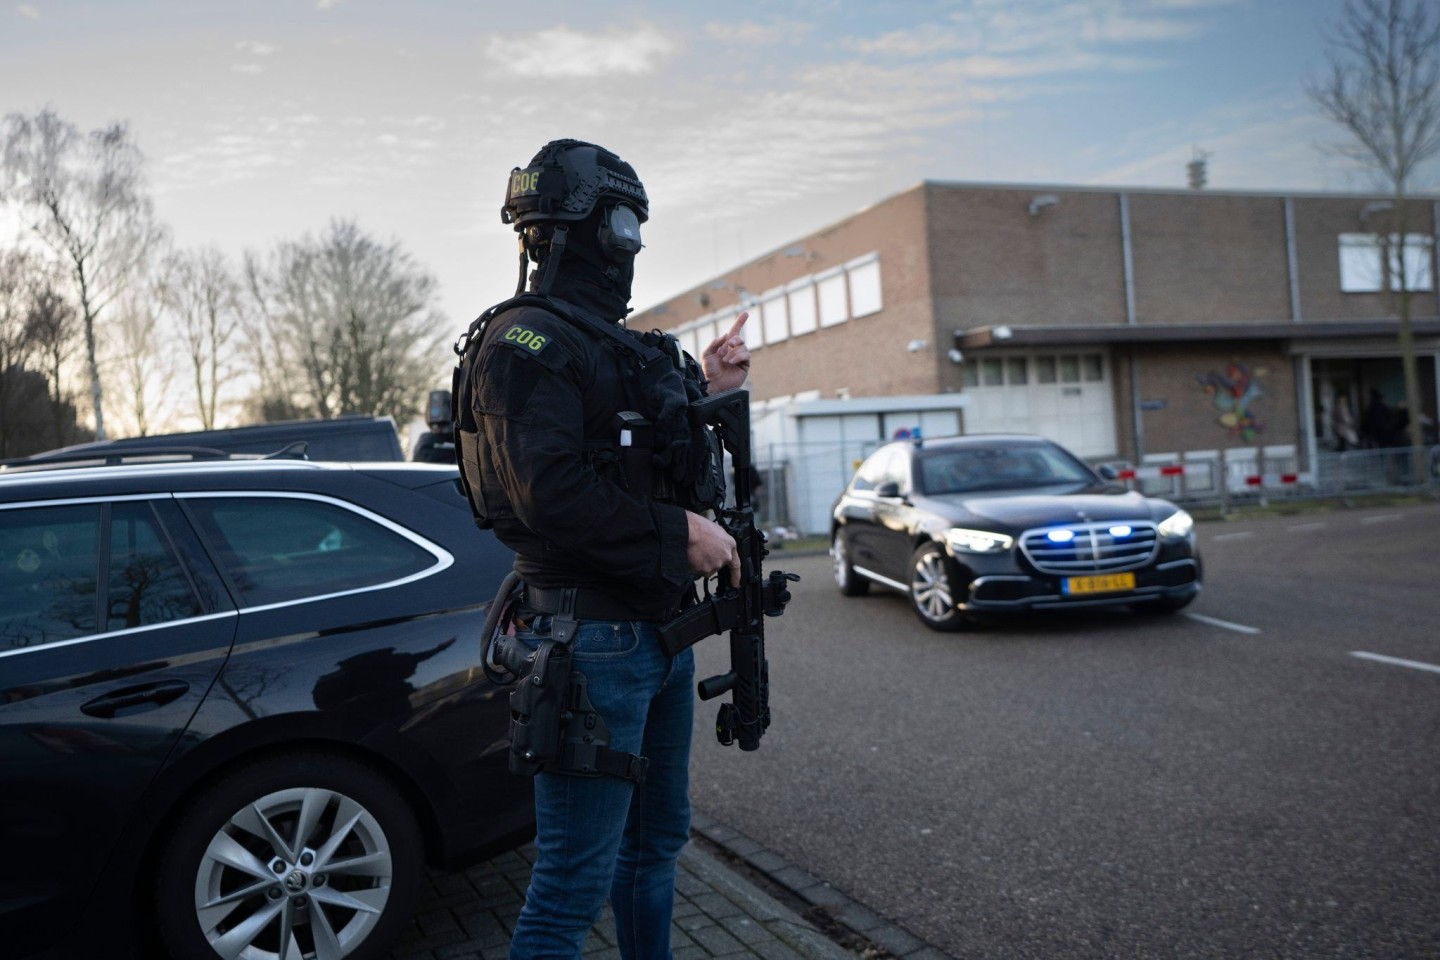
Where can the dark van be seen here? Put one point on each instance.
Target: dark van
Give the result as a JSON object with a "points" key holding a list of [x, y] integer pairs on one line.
{"points": [[355, 438]]}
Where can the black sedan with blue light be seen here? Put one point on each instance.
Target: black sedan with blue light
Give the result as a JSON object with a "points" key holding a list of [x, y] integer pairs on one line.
{"points": [[992, 524]]}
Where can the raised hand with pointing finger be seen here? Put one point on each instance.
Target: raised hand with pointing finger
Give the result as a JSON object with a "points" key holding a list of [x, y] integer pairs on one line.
{"points": [[727, 360]]}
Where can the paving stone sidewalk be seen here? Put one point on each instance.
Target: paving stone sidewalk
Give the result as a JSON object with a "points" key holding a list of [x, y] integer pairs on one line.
{"points": [[718, 913]]}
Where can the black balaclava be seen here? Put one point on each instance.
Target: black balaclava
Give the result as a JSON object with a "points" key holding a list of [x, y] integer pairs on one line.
{"points": [[584, 276]]}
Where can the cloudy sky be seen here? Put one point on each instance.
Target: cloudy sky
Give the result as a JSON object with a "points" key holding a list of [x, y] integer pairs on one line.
{"points": [[750, 122]]}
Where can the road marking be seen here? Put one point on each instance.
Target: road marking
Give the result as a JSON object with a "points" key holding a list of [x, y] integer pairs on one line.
{"points": [[1301, 527], [1396, 661], [1233, 536], [1225, 624], [1382, 518]]}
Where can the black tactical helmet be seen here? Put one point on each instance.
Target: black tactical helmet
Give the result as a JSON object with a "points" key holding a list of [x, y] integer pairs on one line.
{"points": [[566, 180]]}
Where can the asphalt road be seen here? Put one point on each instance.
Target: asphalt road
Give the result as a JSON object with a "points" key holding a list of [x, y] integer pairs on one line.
{"points": [[1105, 785]]}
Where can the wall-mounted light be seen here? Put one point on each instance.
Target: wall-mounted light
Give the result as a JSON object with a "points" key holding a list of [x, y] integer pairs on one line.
{"points": [[1002, 333], [1040, 201], [955, 356], [1375, 206], [915, 346]]}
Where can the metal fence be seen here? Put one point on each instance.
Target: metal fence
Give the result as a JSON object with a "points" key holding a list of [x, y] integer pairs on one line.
{"points": [[800, 481], [1240, 477]]}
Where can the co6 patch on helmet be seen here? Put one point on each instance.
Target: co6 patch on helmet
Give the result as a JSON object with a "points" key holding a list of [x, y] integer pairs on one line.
{"points": [[566, 180]]}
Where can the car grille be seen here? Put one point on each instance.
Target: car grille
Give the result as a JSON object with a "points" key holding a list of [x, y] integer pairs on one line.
{"points": [[1090, 547]]}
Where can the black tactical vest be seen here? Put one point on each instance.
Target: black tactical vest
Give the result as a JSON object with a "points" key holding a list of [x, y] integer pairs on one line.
{"points": [[684, 460]]}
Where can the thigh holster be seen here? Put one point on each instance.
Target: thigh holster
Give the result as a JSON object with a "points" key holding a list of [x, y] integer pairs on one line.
{"points": [[553, 724]]}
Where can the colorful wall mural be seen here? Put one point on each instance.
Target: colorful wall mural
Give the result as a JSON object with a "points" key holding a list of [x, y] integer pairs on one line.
{"points": [[1233, 393]]}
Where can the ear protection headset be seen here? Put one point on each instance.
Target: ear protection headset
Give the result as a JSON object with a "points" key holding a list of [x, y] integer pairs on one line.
{"points": [[620, 233]]}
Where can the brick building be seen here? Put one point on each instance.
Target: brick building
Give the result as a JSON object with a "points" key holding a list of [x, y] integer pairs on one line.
{"points": [[1132, 324]]}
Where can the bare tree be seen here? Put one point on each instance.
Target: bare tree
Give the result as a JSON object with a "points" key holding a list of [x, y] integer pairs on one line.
{"points": [[54, 328], [1383, 89], [144, 370], [16, 344], [202, 293], [83, 196], [348, 323], [37, 338]]}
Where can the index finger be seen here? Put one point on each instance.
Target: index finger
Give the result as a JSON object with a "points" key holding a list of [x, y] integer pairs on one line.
{"points": [[739, 322]]}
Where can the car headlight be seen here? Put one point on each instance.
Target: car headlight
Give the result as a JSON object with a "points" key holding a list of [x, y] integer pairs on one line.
{"points": [[978, 541], [1178, 525]]}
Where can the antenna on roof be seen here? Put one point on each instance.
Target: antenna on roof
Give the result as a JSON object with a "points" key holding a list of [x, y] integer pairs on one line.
{"points": [[1196, 168]]}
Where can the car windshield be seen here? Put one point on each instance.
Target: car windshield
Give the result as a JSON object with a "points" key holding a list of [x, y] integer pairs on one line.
{"points": [[975, 469]]}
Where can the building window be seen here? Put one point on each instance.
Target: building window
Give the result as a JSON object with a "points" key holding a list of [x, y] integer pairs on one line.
{"points": [[1363, 262], [864, 286], [1416, 251], [1043, 368], [834, 304], [773, 313], [704, 333], [802, 308]]}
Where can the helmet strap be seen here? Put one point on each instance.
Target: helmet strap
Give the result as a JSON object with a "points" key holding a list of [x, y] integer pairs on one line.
{"points": [[552, 260], [524, 265]]}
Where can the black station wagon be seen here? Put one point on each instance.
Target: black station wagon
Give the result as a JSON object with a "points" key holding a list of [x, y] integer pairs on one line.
{"points": [[242, 706], [1001, 523]]}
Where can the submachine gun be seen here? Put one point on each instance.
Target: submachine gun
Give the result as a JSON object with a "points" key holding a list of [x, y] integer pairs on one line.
{"points": [[553, 723], [741, 610]]}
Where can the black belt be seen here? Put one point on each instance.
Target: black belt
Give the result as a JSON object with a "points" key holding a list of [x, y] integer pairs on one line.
{"points": [[585, 603]]}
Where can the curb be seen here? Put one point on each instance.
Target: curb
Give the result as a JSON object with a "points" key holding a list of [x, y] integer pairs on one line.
{"points": [[852, 925]]}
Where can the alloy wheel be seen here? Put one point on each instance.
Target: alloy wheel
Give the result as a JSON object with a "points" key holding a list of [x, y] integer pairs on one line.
{"points": [[930, 587], [299, 874]]}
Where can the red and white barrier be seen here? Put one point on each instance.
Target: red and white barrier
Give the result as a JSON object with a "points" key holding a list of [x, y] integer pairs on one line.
{"points": [[1151, 473], [1276, 479]]}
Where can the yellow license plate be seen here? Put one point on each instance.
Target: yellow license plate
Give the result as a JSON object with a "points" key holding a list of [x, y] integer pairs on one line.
{"points": [[1104, 583]]}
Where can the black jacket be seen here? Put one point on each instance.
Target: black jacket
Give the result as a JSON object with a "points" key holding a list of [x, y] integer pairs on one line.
{"points": [[545, 395]]}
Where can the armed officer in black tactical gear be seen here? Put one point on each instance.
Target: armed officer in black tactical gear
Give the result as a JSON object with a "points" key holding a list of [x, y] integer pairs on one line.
{"points": [[574, 445]]}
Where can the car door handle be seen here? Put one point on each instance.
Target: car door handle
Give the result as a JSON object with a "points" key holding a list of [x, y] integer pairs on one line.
{"points": [[146, 696]]}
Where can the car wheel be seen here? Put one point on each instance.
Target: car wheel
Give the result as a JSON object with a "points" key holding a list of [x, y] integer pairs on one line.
{"points": [[932, 591], [308, 855], [1162, 606], [851, 584]]}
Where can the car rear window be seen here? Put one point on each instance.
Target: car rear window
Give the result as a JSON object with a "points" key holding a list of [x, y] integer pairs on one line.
{"points": [[278, 549]]}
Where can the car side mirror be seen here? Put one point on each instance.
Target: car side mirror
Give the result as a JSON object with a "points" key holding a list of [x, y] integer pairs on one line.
{"points": [[890, 490], [1107, 471]]}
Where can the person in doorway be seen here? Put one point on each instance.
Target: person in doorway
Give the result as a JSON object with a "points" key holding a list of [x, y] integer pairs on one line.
{"points": [[1375, 422], [1342, 424]]}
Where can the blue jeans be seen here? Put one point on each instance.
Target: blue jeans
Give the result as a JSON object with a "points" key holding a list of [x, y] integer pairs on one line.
{"points": [[599, 836]]}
